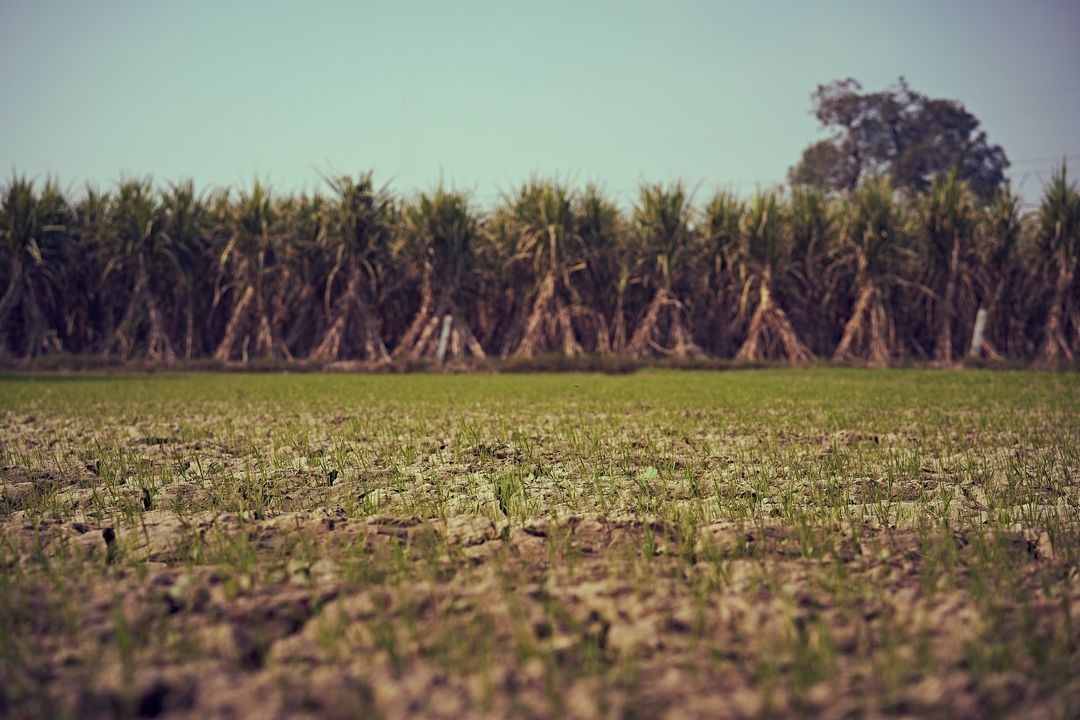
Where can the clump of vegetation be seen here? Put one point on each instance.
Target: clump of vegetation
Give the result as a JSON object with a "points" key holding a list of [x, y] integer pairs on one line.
{"points": [[765, 253], [662, 232], [358, 235], [870, 246], [441, 231], [1058, 240]]}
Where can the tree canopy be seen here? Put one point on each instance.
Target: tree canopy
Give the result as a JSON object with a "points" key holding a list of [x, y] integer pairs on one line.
{"points": [[899, 133]]}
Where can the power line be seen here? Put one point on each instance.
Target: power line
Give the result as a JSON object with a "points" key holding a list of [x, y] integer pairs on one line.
{"points": [[1049, 158]]}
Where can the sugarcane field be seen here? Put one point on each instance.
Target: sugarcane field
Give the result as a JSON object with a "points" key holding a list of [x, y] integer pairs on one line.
{"points": [[565, 360]]}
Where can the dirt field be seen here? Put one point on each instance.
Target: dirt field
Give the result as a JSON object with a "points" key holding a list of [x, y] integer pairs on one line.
{"points": [[835, 543]]}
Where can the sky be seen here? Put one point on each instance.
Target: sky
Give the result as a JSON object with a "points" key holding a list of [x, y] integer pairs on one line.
{"points": [[483, 94]]}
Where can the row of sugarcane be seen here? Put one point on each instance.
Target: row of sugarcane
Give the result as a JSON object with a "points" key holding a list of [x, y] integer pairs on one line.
{"points": [[357, 273]]}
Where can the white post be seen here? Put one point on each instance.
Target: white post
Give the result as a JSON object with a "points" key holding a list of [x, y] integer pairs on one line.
{"points": [[977, 333], [447, 322]]}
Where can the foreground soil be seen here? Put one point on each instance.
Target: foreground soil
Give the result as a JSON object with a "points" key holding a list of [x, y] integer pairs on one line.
{"points": [[836, 543]]}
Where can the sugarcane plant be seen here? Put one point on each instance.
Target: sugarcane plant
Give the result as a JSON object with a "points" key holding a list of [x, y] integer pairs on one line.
{"points": [[183, 232], [546, 242], [867, 250], [951, 279], [358, 237], [663, 236], [764, 261], [440, 230], [34, 232], [246, 270], [87, 312], [1058, 247], [610, 268], [146, 260], [810, 224], [718, 285], [999, 231], [297, 291]]}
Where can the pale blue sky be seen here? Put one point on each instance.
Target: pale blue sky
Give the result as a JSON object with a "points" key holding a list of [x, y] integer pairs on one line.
{"points": [[486, 93]]}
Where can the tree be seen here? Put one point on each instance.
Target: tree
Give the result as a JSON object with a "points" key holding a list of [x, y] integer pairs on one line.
{"points": [[898, 133]]}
